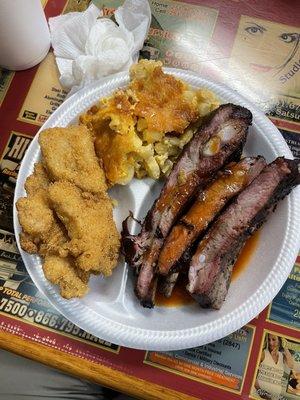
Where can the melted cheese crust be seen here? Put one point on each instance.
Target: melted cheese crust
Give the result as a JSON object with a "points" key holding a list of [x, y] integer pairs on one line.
{"points": [[163, 101], [140, 130]]}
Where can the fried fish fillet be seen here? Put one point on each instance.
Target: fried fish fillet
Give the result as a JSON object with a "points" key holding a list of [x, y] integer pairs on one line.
{"points": [[55, 241], [35, 215], [69, 222], [38, 181], [89, 221], [69, 154], [43, 233], [60, 271], [51, 242]]}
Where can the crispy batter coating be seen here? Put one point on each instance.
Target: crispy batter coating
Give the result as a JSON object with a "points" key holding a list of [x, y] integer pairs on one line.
{"points": [[55, 241], [38, 181], [35, 215], [61, 272], [89, 221], [69, 222], [69, 154], [44, 233], [29, 243]]}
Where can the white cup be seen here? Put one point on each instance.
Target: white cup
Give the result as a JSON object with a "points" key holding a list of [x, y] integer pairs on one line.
{"points": [[24, 34]]}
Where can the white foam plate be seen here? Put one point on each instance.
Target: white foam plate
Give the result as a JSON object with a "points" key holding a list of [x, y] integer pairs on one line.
{"points": [[110, 310]]}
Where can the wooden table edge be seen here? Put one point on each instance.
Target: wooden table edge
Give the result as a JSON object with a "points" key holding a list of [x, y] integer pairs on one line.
{"points": [[88, 370]]}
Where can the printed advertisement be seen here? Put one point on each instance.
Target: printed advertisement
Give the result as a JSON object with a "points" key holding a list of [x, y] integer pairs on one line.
{"points": [[45, 93], [6, 204], [278, 371], [5, 80], [292, 140], [265, 61], [13, 154], [285, 308], [8, 248], [76, 5], [20, 299], [180, 34], [221, 363]]}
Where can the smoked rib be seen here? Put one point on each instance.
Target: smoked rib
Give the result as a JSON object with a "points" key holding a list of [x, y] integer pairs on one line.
{"points": [[218, 141], [231, 181], [211, 265]]}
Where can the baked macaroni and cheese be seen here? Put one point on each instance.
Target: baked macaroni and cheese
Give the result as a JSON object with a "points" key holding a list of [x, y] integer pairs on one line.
{"points": [[140, 130]]}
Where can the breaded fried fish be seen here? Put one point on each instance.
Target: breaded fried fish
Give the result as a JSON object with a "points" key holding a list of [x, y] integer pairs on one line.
{"points": [[61, 272], [43, 233], [35, 215], [89, 222], [69, 154], [66, 217], [54, 241], [38, 181]]}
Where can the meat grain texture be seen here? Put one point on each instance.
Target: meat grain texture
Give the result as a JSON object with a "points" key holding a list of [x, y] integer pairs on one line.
{"points": [[201, 219], [219, 140], [211, 265]]}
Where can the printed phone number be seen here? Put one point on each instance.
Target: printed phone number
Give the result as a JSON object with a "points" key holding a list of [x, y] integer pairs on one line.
{"points": [[47, 319]]}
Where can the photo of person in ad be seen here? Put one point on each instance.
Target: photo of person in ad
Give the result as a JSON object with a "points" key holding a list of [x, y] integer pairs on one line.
{"points": [[266, 59], [278, 361], [294, 383]]}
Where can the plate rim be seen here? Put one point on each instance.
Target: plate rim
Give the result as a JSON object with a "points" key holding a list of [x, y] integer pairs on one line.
{"points": [[146, 339]]}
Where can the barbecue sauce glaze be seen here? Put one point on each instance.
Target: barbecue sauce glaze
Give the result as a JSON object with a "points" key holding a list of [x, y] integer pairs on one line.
{"points": [[180, 297]]}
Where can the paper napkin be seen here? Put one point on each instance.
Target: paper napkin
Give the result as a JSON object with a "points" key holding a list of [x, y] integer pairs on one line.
{"points": [[89, 47]]}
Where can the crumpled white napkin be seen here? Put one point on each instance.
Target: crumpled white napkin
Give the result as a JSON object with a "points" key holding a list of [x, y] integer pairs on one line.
{"points": [[88, 48]]}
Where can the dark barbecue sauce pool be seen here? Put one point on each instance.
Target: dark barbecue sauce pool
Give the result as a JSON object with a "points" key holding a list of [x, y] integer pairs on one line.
{"points": [[180, 297]]}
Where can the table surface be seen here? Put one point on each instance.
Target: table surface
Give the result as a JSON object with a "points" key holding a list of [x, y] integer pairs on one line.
{"points": [[230, 31]]}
